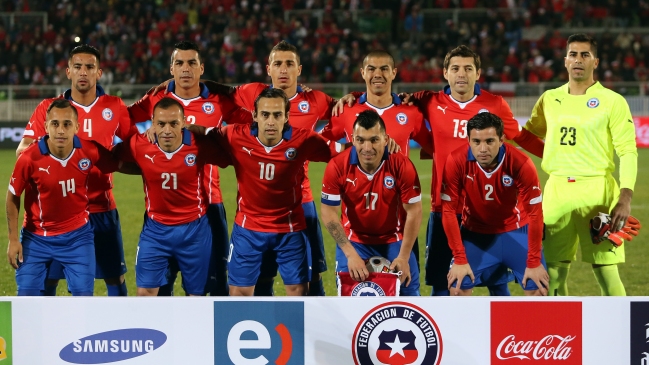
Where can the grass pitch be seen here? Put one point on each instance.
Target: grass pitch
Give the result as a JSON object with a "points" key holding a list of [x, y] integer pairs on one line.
{"points": [[130, 202]]}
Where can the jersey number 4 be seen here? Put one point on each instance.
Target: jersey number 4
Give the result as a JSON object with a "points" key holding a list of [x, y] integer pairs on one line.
{"points": [[570, 134], [87, 126]]}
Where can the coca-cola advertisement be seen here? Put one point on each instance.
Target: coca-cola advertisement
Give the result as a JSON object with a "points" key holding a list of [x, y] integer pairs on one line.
{"points": [[536, 333]]}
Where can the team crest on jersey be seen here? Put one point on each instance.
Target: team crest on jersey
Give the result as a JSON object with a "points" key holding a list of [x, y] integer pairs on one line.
{"points": [[208, 108], [507, 180], [483, 111], [367, 289], [397, 333], [290, 154], [593, 103], [84, 164], [402, 118], [107, 114], [304, 106], [190, 159], [388, 181]]}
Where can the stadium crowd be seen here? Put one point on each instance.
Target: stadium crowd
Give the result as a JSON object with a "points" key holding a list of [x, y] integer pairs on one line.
{"points": [[136, 37]]}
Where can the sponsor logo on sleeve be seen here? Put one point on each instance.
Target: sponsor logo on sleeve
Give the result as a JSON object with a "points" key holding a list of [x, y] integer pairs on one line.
{"points": [[639, 333], [6, 356], [113, 346], [552, 335], [397, 333], [259, 333]]}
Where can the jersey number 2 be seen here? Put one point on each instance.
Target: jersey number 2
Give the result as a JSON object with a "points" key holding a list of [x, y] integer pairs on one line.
{"points": [[490, 190]]}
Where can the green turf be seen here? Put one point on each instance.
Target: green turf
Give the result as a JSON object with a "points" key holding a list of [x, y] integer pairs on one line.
{"points": [[129, 195]]}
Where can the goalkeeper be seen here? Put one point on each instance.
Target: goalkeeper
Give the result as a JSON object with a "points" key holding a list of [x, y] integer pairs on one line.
{"points": [[583, 123]]}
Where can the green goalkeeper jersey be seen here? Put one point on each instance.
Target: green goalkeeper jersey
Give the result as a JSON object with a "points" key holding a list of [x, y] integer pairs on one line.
{"points": [[582, 132]]}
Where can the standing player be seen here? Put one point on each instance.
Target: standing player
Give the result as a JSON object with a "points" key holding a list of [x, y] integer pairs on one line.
{"points": [[448, 112], [175, 226], [54, 173], [502, 220], [268, 159], [104, 117], [373, 187], [208, 110], [307, 108], [583, 123], [403, 122]]}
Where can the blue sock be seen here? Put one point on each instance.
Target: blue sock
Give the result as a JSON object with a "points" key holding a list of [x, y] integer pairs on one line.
{"points": [[264, 287], [442, 292], [117, 290], [50, 290], [499, 290], [316, 289]]}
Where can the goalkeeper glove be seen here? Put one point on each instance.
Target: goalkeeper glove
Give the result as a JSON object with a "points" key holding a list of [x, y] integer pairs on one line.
{"points": [[600, 229]]}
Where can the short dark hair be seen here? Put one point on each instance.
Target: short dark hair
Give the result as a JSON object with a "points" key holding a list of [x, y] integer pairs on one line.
{"points": [[284, 46], [583, 38], [273, 93], [85, 49], [486, 120], [62, 104], [166, 103], [379, 53], [462, 51], [186, 46], [368, 119]]}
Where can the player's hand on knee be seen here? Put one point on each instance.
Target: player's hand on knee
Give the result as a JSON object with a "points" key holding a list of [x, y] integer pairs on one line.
{"points": [[539, 276], [356, 267], [162, 87], [15, 254], [348, 99], [457, 274], [402, 265], [393, 147]]}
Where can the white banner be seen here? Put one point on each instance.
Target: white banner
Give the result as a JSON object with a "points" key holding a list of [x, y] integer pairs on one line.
{"points": [[286, 331]]}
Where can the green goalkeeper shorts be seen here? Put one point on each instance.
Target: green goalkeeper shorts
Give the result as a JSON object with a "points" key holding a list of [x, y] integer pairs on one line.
{"points": [[568, 206]]}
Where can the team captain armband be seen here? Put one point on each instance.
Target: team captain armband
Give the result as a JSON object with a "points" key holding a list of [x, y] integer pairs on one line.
{"points": [[330, 199]]}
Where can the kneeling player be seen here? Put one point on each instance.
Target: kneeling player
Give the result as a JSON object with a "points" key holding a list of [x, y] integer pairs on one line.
{"points": [[176, 225], [372, 185], [54, 175], [502, 221]]}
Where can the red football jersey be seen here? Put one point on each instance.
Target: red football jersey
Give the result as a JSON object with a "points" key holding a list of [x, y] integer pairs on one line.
{"points": [[100, 121], [371, 204], [56, 191], [173, 181], [402, 123], [307, 108], [448, 119], [269, 197], [502, 200], [207, 110]]}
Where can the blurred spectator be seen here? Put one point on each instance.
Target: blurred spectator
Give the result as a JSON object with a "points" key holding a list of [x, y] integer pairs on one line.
{"points": [[136, 38]]}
